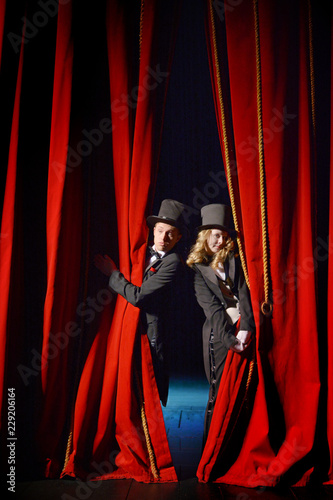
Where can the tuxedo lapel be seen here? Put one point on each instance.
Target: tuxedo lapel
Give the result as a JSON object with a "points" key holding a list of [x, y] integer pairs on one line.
{"points": [[229, 267], [154, 264], [211, 279]]}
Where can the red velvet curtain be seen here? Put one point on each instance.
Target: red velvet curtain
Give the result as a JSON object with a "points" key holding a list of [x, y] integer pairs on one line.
{"points": [[8, 222], [330, 293], [281, 425], [63, 273], [112, 371]]}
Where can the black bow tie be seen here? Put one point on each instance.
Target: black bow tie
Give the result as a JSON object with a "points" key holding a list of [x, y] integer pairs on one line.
{"points": [[153, 252]]}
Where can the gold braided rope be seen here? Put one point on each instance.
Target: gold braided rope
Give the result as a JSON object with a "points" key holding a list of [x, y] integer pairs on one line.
{"points": [[151, 454], [142, 7], [312, 89], [152, 458], [226, 148], [68, 450], [266, 306], [311, 61], [232, 200]]}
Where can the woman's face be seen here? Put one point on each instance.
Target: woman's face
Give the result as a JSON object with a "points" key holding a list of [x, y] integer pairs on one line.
{"points": [[216, 240]]}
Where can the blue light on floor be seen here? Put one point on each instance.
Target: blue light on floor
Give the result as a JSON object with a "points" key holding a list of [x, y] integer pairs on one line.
{"points": [[184, 421]]}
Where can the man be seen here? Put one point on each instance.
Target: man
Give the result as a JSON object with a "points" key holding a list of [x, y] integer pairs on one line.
{"points": [[158, 280]]}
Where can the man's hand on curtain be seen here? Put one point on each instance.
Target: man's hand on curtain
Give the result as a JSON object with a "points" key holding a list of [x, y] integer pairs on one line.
{"points": [[105, 264]]}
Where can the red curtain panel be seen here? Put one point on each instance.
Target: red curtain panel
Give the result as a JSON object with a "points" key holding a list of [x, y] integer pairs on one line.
{"points": [[9, 235], [129, 438], [279, 208], [330, 300], [63, 242]]}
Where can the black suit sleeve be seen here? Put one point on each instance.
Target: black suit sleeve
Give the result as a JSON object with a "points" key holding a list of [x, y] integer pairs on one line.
{"points": [[245, 307], [214, 310], [141, 296]]}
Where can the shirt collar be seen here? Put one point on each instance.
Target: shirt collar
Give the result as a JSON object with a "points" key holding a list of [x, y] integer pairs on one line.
{"points": [[220, 271], [159, 252]]}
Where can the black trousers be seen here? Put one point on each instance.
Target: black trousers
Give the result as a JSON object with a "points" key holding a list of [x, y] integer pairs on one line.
{"points": [[214, 361]]}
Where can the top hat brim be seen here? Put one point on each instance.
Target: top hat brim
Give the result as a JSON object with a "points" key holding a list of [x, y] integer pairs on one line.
{"points": [[154, 219], [232, 232]]}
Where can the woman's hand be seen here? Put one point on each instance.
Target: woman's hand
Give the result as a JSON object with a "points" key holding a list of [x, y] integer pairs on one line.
{"points": [[243, 338], [105, 264]]}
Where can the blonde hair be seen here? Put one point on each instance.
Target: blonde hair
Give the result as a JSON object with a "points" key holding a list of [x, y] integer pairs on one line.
{"points": [[200, 251]]}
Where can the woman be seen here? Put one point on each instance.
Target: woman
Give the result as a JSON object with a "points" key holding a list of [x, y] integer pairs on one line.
{"points": [[221, 291]]}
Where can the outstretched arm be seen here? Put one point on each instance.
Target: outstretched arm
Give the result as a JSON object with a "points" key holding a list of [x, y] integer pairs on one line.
{"points": [[140, 296], [105, 264]]}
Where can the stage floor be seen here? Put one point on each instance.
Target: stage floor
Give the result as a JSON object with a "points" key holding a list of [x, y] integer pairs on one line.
{"points": [[184, 417], [128, 489]]}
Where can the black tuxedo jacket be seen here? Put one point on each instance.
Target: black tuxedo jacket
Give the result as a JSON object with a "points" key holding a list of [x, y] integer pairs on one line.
{"points": [[210, 298], [152, 297]]}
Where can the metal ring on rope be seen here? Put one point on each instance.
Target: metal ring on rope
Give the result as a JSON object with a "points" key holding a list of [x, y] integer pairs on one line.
{"points": [[266, 308]]}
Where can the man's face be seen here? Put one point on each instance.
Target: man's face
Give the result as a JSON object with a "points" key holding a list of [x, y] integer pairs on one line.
{"points": [[165, 237]]}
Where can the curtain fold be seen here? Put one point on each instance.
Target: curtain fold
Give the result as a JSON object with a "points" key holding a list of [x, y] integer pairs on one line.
{"points": [[330, 290], [280, 432], [9, 225], [63, 246], [120, 447]]}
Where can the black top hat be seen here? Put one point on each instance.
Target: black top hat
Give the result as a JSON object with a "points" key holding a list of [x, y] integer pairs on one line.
{"points": [[217, 216], [170, 213]]}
